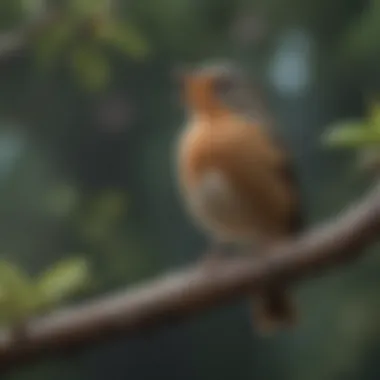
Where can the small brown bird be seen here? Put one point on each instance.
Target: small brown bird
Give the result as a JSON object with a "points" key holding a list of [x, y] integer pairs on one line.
{"points": [[235, 178]]}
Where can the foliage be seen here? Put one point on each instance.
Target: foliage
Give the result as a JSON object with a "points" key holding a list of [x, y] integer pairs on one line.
{"points": [[80, 38], [363, 136], [356, 134], [22, 296]]}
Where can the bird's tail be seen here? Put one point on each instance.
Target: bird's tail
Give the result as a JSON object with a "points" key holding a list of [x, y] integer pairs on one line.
{"points": [[273, 309]]}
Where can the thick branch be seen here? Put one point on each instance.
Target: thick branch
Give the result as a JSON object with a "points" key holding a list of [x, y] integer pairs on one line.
{"points": [[196, 289]]}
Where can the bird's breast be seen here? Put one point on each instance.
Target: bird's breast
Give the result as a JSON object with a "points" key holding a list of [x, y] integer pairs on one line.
{"points": [[217, 207], [212, 195]]}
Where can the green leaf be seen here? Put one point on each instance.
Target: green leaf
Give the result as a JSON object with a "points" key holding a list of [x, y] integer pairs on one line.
{"points": [[64, 279], [126, 38], [351, 134], [18, 296], [374, 116], [91, 66]]}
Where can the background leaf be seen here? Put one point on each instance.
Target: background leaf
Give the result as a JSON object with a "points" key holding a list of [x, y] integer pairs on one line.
{"points": [[352, 134], [91, 66], [63, 280], [18, 296]]}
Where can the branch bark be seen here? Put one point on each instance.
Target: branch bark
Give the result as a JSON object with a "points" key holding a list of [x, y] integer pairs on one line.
{"points": [[196, 289]]}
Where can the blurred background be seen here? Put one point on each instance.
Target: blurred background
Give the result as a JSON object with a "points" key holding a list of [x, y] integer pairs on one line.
{"points": [[89, 117]]}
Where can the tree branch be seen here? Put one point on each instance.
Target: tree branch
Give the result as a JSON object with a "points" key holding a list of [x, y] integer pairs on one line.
{"points": [[195, 289]]}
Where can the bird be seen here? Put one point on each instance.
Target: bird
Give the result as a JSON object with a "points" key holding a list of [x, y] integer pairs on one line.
{"points": [[235, 175]]}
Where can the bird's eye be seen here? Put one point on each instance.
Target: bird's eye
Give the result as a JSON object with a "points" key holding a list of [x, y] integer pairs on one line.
{"points": [[223, 85]]}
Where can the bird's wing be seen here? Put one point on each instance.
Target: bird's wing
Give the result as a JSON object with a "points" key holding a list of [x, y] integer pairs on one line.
{"points": [[262, 173], [253, 106]]}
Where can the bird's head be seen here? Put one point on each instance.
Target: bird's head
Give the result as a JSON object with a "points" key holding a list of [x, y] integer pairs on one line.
{"points": [[215, 88]]}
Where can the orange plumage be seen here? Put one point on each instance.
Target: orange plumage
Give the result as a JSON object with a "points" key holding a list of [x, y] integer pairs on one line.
{"points": [[235, 179]]}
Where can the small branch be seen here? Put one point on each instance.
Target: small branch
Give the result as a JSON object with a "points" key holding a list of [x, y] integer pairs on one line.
{"points": [[196, 289]]}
